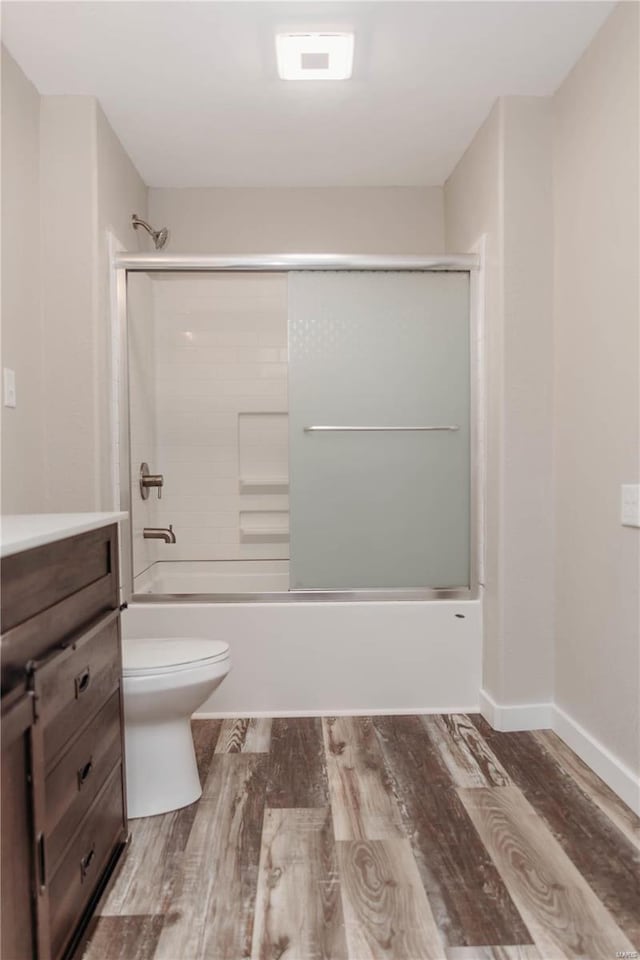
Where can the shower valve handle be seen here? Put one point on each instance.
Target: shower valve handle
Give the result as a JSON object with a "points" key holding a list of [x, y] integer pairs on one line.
{"points": [[148, 480]]}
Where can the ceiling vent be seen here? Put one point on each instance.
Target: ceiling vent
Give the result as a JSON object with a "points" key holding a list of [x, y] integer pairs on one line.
{"points": [[314, 56]]}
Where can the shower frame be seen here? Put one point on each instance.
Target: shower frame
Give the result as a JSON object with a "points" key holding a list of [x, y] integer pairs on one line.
{"points": [[126, 263]]}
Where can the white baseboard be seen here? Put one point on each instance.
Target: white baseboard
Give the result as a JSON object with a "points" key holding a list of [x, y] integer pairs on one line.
{"points": [[615, 774], [373, 712], [548, 716], [515, 716]]}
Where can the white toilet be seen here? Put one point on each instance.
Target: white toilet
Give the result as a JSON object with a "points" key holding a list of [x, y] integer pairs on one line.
{"points": [[165, 681]]}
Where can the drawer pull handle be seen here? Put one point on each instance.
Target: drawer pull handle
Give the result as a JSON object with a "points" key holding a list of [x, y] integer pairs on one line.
{"points": [[82, 681], [84, 773], [86, 862], [42, 862]]}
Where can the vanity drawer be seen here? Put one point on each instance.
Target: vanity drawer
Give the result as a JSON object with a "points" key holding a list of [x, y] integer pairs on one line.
{"points": [[37, 579], [39, 636], [75, 880], [75, 682], [73, 783]]}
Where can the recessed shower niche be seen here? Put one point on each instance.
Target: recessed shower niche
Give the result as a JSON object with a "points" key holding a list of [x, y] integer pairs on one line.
{"points": [[263, 452], [263, 465]]}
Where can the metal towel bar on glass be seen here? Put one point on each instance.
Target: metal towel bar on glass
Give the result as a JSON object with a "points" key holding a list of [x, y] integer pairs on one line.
{"points": [[318, 429]]}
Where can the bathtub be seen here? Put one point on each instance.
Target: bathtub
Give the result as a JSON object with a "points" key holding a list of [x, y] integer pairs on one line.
{"points": [[327, 657]]}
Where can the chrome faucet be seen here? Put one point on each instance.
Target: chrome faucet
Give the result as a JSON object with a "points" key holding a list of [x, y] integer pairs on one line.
{"points": [[160, 533]]}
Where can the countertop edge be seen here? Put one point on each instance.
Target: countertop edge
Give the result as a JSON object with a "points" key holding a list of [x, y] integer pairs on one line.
{"points": [[68, 525]]}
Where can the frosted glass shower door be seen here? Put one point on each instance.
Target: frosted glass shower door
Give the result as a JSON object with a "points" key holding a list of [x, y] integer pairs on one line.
{"points": [[379, 508]]}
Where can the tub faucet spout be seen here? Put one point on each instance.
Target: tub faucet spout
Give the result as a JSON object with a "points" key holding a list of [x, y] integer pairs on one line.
{"points": [[160, 533]]}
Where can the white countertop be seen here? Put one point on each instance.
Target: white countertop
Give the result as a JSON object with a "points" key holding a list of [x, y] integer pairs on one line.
{"points": [[22, 531]]}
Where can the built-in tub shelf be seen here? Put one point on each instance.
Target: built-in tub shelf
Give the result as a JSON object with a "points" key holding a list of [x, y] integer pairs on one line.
{"points": [[264, 526], [264, 536], [266, 485]]}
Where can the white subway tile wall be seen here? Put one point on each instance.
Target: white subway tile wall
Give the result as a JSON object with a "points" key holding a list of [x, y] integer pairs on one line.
{"points": [[221, 415]]}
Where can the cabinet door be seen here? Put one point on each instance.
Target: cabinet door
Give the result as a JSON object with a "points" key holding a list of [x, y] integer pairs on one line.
{"points": [[18, 940]]}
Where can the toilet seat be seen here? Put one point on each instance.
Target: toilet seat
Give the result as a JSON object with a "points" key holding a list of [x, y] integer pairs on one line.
{"points": [[146, 656]]}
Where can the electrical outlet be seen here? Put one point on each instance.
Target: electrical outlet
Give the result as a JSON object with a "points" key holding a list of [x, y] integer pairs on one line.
{"points": [[9, 387], [630, 505]]}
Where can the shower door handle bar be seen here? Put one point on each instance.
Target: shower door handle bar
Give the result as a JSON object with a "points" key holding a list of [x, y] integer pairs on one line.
{"points": [[349, 429]]}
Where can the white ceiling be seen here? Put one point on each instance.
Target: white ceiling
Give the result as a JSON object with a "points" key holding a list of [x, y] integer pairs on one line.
{"points": [[192, 91]]}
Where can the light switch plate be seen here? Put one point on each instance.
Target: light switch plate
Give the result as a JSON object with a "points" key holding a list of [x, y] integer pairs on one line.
{"points": [[9, 387], [630, 505]]}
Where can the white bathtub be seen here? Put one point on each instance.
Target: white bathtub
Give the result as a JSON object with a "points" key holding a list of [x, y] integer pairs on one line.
{"points": [[325, 657], [214, 576]]}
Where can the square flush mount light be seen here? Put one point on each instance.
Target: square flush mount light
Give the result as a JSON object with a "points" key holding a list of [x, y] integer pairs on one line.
{"points": [[314, 56]]}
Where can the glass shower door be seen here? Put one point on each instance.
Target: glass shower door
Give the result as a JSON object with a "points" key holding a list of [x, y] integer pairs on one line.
{"points": [[379, 401]]}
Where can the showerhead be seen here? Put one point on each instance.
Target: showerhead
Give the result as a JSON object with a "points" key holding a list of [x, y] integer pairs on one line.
{"points": [[159, 237]]}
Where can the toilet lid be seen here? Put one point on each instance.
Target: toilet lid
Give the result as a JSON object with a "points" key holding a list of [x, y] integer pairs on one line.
{"points": [[162, 654]]}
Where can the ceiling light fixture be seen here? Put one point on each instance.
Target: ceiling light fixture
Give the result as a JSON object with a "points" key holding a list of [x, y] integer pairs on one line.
{"points": [[314, 56]]}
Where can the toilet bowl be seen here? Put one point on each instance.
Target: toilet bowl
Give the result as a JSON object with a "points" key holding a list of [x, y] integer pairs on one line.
{"points": [[164, 683]]}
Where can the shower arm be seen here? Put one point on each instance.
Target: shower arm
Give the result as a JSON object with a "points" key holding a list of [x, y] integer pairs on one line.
{"points": [[137, 221], [159, 237]]}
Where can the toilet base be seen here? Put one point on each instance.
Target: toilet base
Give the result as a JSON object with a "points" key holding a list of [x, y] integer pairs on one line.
{"points": [[162, 773]]}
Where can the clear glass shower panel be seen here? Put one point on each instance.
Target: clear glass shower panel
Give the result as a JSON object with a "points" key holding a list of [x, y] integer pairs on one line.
{"points": [[379, 508]]}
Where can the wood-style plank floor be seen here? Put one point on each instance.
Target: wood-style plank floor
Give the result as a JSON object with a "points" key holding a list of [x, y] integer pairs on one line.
{"points": [[379, 838]]}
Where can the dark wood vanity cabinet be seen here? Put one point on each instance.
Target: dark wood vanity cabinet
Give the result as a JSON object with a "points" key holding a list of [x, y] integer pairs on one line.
{"points": [[63, 799], [17, 850]]}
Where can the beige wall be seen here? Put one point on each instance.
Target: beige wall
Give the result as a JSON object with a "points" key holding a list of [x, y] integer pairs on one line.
{"points": [[527, 412], [501, 189], [66, 182], [89, 187], [23, 428], [332, 220], [596, 386], [68, 231]]}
